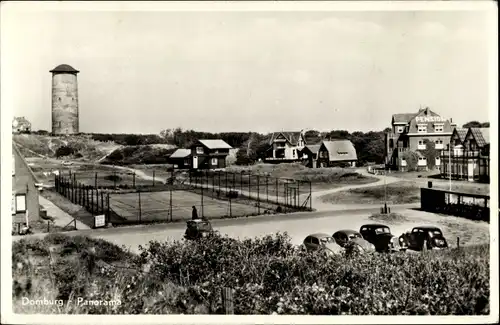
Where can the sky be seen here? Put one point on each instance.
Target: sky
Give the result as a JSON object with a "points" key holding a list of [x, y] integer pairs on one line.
{"points": [[262, 71]]}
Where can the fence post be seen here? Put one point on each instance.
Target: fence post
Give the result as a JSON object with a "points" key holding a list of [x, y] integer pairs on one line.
{"points": [[277, 191], [140, 207], [102, 202], [230, 208], [95, 180], [310, 196], [258, 194], [458, 242], [92, 200], [97, 201], [267, 188], [108, 208], [227, 300], [202, 215], [298, 194]]}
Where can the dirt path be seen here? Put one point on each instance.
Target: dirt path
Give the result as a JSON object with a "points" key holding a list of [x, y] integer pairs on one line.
{"points": [[317, 197]]}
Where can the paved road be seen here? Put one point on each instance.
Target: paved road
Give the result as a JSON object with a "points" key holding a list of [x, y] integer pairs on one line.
{"points": [[298, 225]]}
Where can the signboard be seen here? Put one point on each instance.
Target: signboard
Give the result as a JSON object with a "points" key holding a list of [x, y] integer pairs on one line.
{"points": [[20, 203], [426, 119], [100, 221]]}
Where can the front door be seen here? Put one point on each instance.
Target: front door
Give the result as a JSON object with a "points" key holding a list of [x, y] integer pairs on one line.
{"points": [[195, 162]]}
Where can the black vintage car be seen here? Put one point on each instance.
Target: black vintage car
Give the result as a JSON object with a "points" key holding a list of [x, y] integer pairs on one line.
{"points": [[381, 237], [197, 229], [424, 237]]}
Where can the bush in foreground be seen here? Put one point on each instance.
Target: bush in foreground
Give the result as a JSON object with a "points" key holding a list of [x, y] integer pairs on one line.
{"points": [[269, 275]]}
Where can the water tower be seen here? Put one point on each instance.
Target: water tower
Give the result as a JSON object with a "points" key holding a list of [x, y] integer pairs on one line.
{"points": [[64, 100]]}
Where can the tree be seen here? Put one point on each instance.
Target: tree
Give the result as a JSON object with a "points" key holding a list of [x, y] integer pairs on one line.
{"points": [[63, 151], [411, 158], [312, 137], [430, 153], [242, 157], [472, 124]]}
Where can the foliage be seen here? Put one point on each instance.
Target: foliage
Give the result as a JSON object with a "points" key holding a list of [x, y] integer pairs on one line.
{"points": [[476, 124], [430, 153], [411, 158], [312, 137], [268, 274], [242, 157], [63, 151], [129, 139], [138, 155]]}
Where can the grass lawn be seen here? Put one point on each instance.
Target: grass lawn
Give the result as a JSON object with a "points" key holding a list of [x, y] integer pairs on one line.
{"points": [[402, 192], [397, 193]]}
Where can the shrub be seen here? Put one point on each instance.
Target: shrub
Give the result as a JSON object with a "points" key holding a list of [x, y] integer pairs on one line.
{"points": [[268, 274], [63, 151], [113, 178]]}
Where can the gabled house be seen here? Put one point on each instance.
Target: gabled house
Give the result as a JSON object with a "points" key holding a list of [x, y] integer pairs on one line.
{"points": [[25, 204], [20, 125], [180, 158], [209, 154], [336, 153], [286, 146], [468, 156], [310, 152], [409, 132]]}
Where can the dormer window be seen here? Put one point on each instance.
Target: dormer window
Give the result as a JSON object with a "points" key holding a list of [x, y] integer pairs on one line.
{"points": [[199, 150], [422, 128], [438, 127]]}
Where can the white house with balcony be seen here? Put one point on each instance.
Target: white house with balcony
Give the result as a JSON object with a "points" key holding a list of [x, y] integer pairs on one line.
{"points": [[286, 147]]}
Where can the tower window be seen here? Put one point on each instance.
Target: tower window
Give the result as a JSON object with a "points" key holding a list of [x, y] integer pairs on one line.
{"points": [[59, 98]]}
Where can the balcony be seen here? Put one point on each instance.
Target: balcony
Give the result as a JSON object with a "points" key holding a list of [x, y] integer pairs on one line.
{"points": [[465, 154], [439, 146]]}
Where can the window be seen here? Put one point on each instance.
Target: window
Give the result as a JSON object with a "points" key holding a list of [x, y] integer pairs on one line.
{"points": [[438, 127], [214, 161], [199, 150], [315, 240], [421, 145], [400, 129], [422, 128], [439, 144], [293, 152]]}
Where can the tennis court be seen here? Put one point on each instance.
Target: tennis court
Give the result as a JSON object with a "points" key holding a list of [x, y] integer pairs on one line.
{"points": [[155, 206]]}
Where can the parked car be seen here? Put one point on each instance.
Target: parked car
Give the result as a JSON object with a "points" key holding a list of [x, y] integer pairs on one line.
{"points": [[422, 237], [197, 229], [319, 241], [381, 237], [347, 236], [67, 163]]}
